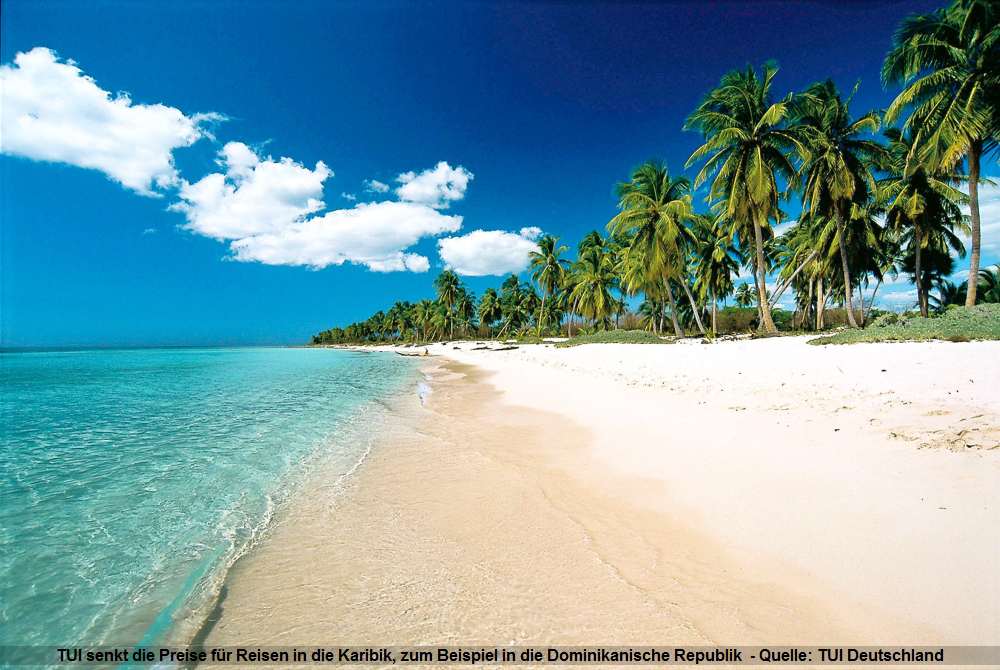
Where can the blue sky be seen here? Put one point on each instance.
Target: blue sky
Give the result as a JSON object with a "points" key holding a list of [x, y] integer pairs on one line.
{"points": [[514, 117]]}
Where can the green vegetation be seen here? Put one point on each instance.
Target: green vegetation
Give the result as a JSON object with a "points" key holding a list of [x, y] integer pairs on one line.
{"points": [[955, 324], [877, 201], [615, 337]]}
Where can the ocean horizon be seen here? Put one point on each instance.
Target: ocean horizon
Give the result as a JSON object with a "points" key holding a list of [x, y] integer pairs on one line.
{"points": [[136, 477]]}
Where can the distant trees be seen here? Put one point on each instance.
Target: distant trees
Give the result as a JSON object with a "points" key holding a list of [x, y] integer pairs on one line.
{"points": [[872, 206]]}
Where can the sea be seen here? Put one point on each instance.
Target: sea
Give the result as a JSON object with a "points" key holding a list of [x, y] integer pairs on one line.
{"points": [[132, 480]]}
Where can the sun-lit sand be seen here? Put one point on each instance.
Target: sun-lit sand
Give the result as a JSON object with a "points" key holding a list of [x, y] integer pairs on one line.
{"points": [[751, 492]]}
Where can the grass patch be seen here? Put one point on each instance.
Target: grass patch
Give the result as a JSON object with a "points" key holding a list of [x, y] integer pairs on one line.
{"points": [[958, 324], [615, 337]]}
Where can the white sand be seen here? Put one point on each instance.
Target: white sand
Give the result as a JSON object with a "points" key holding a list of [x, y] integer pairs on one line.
{"points": [[841, 472]]}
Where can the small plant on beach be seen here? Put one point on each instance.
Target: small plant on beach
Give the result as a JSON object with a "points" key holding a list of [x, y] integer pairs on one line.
{"points": [[957, 324], [615, 337]]}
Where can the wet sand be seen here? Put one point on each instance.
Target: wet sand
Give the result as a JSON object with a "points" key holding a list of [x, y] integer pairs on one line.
{"points": [[475, 521]]}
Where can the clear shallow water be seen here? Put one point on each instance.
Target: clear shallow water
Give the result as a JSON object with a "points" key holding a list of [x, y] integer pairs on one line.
{"points": [[130, 480]]}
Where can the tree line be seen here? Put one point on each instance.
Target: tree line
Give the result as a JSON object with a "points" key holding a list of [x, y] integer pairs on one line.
{"points": [[880, 194]]}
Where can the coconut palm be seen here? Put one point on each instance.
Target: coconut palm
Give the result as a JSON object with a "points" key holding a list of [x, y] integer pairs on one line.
{"points": [[423, 313], [988, 289], [745, 297], [838, 171], [922, 205], [448, 286], [591, 281], [948, 62], [548, 271], [746, 151], [655, 208], [489, 308], [717, 261]]}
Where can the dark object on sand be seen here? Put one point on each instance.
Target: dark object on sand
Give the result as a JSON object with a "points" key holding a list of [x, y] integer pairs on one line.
{"points": [[503, 348]]}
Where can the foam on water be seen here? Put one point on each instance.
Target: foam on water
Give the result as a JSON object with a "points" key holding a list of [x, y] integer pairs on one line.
{"points": [[132, 480]]}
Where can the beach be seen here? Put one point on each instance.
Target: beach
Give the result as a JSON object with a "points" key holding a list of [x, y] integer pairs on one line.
{"points": [[746, 492]]}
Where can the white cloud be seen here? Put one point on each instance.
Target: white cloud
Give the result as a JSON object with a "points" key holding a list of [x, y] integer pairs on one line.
{"points": [[488, 252], [375, 186], [52, 111], [348, 196], [531, 232], [375, 235], [254, 195], [437, 187]]}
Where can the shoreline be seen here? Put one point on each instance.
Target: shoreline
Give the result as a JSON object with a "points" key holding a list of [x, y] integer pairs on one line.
{"points": [[510, 413]]}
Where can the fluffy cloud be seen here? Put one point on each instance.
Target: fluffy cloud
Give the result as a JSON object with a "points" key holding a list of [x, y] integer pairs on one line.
{"points": [[375, 186], [375, 235], [270, 211], [52, 111], [253, 196], [437, 187], [348, 196], [488, 252]]}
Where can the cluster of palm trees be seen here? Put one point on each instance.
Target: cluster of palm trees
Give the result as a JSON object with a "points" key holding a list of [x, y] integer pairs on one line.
{"points": [[880, 194]]}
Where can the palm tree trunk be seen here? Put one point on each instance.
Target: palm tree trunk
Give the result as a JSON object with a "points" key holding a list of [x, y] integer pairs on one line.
{"points": [[541, 311], [715, 314], [861, 299], [694, 307], [678, 331], [872, 303], [842, 243], [809, 299], [788, 282], [975, 151], [766, 322], [918, 274], [820, 303]]}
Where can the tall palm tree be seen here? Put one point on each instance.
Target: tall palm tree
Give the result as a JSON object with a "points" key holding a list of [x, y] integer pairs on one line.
{"points": [[948, 62], [549, 270], [838, 171], [655, 208], [448, 286], [922, 206], [746, 151]]}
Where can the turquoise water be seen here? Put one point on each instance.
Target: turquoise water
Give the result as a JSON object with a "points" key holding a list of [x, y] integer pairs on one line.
{"points": [[132, 479]]}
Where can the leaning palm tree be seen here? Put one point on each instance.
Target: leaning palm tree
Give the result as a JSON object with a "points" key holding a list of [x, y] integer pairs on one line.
{"points": [[549, 271], [746, 151], [448, 287], [922, 205], [655, 208], [838, 172], [949, 64]]}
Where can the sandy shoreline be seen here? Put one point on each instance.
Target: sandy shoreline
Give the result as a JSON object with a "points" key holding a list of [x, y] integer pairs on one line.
{"points": [[760, 492]]}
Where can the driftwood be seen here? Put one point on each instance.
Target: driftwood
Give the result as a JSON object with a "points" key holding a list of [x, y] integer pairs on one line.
{"points": [[503, 348]]}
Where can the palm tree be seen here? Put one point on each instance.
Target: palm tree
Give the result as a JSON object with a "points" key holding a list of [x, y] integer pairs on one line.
{"points": [[948, 294], [654, 210], [922, 206], [423, 313], [949, 64], [549, 270], [448, 286], [489, 308], [746, 151], [837, 172], [988, 289], [717, 260], [744, 296], [592, 279]]}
